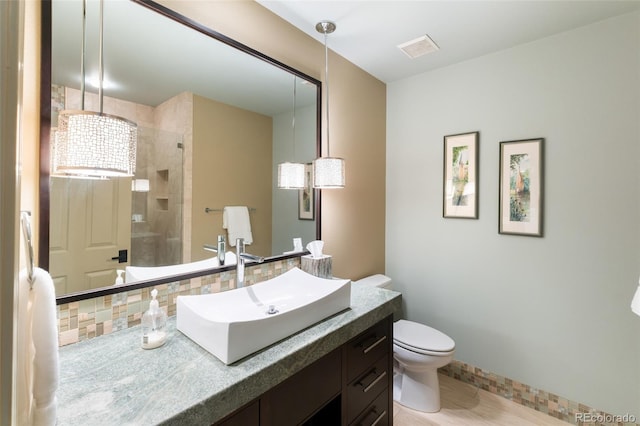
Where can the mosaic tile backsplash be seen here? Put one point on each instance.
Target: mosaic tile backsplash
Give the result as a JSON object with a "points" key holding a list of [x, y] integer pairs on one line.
{"points": [[540, 400], [86, 319]]}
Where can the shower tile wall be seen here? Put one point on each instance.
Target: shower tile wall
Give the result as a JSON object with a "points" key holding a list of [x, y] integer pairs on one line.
{"points": [[175, 116]]}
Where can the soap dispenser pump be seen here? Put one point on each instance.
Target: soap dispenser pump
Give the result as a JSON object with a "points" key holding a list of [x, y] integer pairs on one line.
{"points": [[154, 323]]}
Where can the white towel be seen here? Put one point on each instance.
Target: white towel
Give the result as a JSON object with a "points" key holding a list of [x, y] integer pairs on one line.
{"points": [[235, 219], [37, 351], [24, 351]]}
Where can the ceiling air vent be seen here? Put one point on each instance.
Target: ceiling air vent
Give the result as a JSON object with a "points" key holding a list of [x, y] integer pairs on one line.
{"points": [[418, 47]]}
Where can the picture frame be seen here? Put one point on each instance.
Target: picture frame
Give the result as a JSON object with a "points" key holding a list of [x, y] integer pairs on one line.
{"points": [[306, 196], [460, 176], [521, 190]]}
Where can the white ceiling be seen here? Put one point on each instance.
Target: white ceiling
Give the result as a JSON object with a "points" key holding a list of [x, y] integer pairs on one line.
{"points": [[149, 58], [368, 31]]}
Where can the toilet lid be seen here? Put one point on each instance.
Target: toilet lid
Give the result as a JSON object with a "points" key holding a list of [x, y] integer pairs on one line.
{"points": [[420, 336]]}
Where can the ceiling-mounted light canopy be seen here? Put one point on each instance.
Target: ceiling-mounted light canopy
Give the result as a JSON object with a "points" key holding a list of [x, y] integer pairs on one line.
{"points": [[328, 172], [291, 175], [89, 143]]}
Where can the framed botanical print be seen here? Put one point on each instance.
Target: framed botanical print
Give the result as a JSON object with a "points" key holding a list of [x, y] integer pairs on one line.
{"points": [[306, 196], [521, 187], [460, 181]]}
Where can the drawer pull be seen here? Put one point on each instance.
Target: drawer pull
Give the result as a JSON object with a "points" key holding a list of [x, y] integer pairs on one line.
{"points": [[374, 382], [374, 344], [380, 417]]}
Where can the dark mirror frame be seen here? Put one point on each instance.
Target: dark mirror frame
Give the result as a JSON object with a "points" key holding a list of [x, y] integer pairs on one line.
{"points": [[45, 127]]}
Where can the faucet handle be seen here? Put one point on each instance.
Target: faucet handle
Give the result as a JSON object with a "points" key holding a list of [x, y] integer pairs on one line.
{"points": [[209, 247], [240, 245]]}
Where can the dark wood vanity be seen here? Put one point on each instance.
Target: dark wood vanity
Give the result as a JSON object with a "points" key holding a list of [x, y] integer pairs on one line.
{"points": [[352, 385]]}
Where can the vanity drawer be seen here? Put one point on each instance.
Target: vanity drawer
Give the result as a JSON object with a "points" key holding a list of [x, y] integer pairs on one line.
{"points": [[368, 347], [362, 390], [378, 413]]}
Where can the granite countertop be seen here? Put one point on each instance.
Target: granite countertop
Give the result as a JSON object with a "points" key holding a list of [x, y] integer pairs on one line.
{"points": [[111, 380]]}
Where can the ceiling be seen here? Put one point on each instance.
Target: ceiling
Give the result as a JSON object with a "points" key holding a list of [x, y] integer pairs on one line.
{"points": [[369, 31]]}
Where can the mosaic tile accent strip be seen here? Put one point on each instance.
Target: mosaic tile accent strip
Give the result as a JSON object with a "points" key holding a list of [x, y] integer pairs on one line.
{"points": [[86, 319], [546, 402]]}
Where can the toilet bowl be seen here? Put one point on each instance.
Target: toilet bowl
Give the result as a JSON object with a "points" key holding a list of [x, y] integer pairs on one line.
{"points": [[418, 352]]}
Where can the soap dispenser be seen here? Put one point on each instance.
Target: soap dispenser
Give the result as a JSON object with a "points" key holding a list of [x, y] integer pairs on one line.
{"points": [[154, 323], [119, 277]]}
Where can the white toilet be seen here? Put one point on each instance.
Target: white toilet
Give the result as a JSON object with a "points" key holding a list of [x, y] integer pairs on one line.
{"points": [[418, 352]]}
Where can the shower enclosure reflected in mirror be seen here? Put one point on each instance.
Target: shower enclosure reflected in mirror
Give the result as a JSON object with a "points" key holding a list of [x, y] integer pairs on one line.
{"points": [[214, 120]]}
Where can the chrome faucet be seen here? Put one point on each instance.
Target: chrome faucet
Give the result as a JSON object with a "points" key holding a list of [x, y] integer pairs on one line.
{"points": [[242, 256], [220, 249]]}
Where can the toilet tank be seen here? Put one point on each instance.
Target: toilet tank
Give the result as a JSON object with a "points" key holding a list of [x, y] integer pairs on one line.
{"points": [[377, 280]]}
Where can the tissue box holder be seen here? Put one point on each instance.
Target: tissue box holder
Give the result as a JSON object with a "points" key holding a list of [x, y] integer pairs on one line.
{"points": [[320, 267]]}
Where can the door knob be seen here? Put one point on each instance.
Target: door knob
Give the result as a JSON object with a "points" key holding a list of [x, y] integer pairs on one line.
{"points": [[122, 256]]}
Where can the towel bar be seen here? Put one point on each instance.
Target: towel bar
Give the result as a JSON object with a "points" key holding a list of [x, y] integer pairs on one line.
{"points": [[209, 210]]}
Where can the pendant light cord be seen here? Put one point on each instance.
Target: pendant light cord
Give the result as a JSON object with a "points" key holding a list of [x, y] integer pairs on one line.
{"points": [[326, 78], [101, 54], [293, 121], [82, 52]]}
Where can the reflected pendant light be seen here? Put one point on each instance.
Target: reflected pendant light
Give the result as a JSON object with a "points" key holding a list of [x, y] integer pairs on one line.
{"points": [[89, 143], [291, 175], [140, 185], [328, 172]]}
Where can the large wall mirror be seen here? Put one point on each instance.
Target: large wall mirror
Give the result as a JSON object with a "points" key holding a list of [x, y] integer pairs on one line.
{"points": [[214, 118]]}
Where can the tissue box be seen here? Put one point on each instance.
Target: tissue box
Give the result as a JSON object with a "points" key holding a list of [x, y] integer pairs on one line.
{"points": [[320, 267]]}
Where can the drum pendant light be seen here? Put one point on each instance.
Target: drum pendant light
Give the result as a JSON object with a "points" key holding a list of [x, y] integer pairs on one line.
{"points": [[328, 172], [291, 175], [93, 144]]}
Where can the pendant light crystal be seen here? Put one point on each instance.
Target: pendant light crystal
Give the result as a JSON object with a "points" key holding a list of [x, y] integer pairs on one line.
{"points": [[89, 143], [328, 172]]}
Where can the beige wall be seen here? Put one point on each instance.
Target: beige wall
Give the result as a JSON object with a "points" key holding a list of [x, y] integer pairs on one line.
{"points": [[353, 218], [230, 146], [19, 95]]}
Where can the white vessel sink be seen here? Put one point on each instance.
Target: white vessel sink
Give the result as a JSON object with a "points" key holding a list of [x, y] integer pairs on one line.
{"points": [[140, 273], [235, 323]]}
